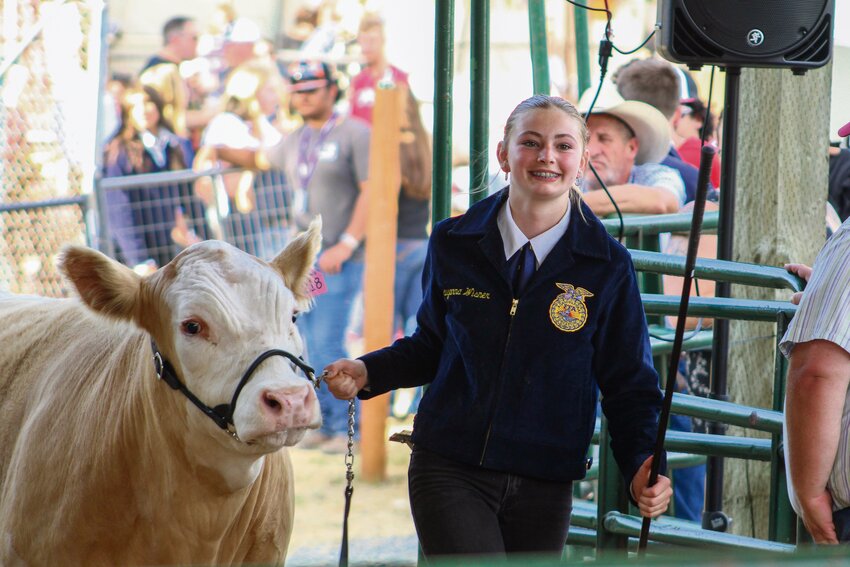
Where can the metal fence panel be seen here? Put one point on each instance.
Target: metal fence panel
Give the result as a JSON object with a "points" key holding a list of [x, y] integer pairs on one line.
{"points": [[49, 76], [150, 218]]}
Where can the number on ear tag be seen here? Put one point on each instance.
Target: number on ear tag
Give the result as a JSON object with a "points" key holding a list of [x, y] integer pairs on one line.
{"points": [[316, 284]]}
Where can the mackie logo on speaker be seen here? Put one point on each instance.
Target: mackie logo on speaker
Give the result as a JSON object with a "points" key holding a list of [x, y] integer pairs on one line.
{"points": [[755, 37]]}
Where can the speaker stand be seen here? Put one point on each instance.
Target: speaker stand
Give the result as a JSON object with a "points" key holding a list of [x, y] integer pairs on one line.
{"points": [[713, 517]]}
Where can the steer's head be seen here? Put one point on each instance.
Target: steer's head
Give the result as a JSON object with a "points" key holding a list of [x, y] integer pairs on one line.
{"points": [[212, 311]]}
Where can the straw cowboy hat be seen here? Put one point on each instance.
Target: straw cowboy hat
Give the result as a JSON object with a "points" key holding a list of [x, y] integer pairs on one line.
{"points": [[649, 125]]}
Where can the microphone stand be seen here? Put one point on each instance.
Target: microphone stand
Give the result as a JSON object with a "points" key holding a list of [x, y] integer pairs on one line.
{"points": [[706, 158]]}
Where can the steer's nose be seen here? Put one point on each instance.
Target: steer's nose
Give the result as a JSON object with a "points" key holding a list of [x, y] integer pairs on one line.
{"points": [[291, 406]]}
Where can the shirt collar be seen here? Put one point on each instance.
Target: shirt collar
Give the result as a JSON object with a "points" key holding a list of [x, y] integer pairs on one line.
{"points": [[513, 238]]}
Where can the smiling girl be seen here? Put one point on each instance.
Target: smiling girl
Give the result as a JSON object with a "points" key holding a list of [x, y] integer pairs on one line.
{"points": [[530, 310]]}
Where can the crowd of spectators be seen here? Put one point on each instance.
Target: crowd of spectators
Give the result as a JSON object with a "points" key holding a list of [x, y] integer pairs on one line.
{"points": [[204, 84]]}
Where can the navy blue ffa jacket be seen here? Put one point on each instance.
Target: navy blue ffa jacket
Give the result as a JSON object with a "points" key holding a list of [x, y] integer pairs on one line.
{"points": [[513, 380]]}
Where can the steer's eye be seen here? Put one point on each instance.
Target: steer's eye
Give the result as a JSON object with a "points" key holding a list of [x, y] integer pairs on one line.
{"points": [[192, 327], [295, 317]]}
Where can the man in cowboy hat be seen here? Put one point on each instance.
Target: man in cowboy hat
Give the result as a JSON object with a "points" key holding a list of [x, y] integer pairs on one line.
{"points": [[672, 91], [628, 139]]}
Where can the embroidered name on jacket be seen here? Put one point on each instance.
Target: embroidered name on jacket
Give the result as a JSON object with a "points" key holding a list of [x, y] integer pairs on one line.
{"points": [[465, 292], [568, 311]]}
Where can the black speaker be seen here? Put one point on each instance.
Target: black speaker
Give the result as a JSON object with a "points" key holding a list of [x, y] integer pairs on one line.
{"points": [[795, 34]]}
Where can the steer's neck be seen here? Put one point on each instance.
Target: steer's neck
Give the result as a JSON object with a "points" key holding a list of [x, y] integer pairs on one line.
{"points": [[228, 471]]}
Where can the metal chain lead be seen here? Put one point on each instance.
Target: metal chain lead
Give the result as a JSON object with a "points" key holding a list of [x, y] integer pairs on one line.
{"points": [[349, 456], [349, 472]]}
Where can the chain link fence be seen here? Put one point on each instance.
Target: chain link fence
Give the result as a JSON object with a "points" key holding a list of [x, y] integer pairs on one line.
{"points": [[151, 217], [49, 76]]}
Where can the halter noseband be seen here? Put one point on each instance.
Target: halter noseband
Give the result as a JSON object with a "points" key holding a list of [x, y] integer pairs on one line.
{"points": [[222, 414]]}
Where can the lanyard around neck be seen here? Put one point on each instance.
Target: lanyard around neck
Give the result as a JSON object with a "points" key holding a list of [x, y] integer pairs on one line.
{"points": [[308, 150]]}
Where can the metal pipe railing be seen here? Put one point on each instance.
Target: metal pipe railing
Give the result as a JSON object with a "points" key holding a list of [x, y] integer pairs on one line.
{"points": [[659, 224], [678, 533], [161, 178], [699, 341], [729, 413], [539, 49], [582, 50], [82, 201], [718, 270], [443, 102], [719, 307], [479, 101]]}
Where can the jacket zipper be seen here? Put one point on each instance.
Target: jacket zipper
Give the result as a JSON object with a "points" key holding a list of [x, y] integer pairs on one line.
{"points": [[514, 303]]}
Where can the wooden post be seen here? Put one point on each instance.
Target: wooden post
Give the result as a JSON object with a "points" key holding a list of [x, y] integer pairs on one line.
{"points": [[384, 183], [780, 209]]}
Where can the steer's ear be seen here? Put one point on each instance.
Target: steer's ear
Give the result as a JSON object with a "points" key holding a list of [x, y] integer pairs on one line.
{"points": [[105, 285], [297, 259]]}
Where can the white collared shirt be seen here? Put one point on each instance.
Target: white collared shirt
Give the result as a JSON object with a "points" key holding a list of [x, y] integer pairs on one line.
{"points": [[541, 245]]}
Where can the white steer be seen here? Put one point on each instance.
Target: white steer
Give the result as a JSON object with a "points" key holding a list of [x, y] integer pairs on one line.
{"points": [[104, 463]]}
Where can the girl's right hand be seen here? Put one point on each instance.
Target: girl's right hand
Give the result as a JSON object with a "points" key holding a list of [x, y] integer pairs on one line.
{"points": [[345, 378]]}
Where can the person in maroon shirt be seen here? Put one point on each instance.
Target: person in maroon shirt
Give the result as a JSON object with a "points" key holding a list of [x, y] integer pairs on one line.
{"points": [[370, 37], [687, 135]]}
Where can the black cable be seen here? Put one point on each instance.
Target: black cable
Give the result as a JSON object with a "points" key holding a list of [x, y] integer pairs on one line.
{"points": [[750, 498], [603, 67], [608, 16], [606, 10], [694, 333], [622, 229], [636, 48], [606, 46], [604, 54]]}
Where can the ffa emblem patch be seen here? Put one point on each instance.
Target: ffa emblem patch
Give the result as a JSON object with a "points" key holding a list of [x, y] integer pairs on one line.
{"points": [[568, 311]]}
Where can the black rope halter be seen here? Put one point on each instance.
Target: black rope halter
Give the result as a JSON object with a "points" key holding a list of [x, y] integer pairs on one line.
{"points": [[222, 414]]}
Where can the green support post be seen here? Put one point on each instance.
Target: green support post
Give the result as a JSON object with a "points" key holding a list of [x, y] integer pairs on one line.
{"points": [[782, 525], [612, 497], [444, 51], [443, 76], [582, 51], [539, 50], [652, 283], [479, 101]]}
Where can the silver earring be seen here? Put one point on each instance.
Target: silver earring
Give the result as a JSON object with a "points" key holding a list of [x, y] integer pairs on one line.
{"points": [[506, 176]]}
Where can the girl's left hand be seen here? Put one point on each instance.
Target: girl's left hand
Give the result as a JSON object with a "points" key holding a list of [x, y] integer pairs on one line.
{"points": [[652, 500]]}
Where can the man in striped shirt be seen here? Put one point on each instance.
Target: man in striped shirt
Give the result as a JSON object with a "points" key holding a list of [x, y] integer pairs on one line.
{"points": [[817, 404]]}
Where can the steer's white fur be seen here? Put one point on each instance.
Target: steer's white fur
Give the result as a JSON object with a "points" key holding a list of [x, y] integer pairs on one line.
{"points": [[101, 463]]}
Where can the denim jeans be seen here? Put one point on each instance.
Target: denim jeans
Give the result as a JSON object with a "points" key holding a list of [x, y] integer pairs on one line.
{"points": [[409, 262], [688, 482], [463, 509], [323, 329]]}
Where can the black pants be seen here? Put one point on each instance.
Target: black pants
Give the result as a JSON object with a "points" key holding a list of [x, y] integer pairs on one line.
{"points": [[841, 519], [462, 509]]}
